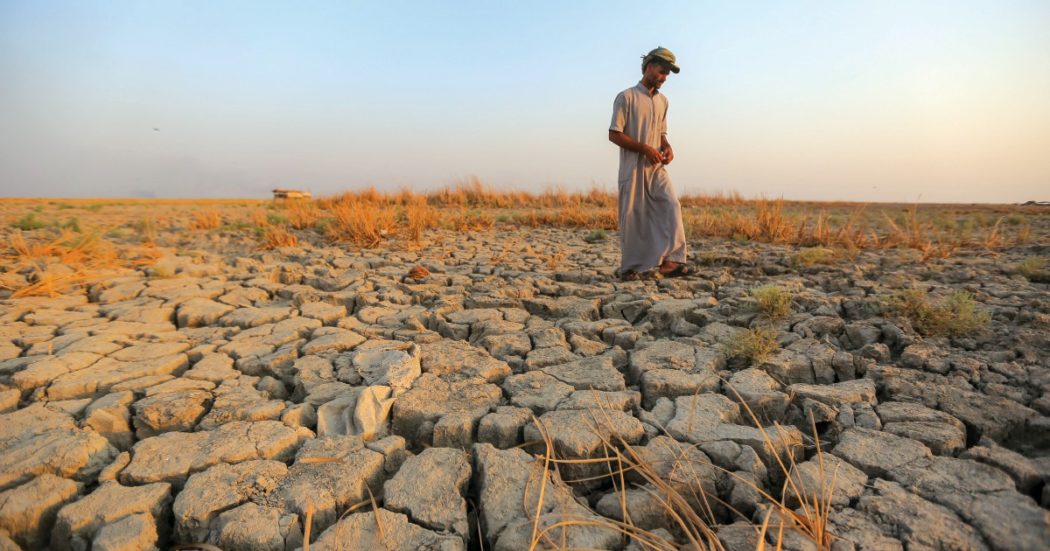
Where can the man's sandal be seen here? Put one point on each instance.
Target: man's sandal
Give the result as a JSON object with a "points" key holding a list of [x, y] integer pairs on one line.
{"points": [[679, 270]]}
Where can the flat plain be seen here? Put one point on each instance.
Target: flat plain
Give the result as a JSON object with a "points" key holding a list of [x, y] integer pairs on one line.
{"points": [[463, 369]]}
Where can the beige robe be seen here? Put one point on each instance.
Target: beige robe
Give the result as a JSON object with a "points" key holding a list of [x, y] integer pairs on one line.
{"points": [[650, 215]]}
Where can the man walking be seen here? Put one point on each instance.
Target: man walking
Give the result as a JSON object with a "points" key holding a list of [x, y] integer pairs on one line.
{"points": [[650, 216]]}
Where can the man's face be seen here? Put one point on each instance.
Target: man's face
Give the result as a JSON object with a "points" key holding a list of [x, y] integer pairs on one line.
{"points": [[655, 74]]}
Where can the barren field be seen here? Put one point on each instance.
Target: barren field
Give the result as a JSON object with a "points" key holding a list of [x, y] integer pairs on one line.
{"points": [[464, 370]]}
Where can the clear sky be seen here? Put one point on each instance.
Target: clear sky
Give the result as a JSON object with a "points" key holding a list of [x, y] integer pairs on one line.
{"points": [[873, 101]]}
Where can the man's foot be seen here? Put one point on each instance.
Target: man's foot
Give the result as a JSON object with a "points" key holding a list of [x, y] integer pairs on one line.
{"points": [[675, 269], [630, 275]]}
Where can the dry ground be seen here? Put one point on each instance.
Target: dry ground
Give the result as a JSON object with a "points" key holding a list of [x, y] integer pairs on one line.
{"points": [[251, 373]]}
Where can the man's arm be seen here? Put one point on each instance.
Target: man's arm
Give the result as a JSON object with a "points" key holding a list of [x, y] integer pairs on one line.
{"points": [[626, 142]]}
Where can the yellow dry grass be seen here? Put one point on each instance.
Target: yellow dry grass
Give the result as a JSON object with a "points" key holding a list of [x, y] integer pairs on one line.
{"points": [[205, 220], [274, 237], [301, 214], [686, 505], [55, 265], [371, 218]]}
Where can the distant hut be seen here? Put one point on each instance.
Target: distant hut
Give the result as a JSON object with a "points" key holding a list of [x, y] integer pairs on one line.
{"points": [[285, 194]]}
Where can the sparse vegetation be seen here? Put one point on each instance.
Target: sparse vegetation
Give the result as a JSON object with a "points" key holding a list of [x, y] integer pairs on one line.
{"points": [[417, 217], [956, 315], [1035, 268], [678, 489], [205, 220], [596, 236], [301, 214], [55, 265], [29, 222], [360, 223], [811, 256], [71, 224], [773, 302], [752, 346], [275, 236], [275, 219], [147, 230]]}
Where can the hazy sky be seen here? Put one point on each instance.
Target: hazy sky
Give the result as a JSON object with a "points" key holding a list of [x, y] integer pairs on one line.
{"points": [[872, 101]]}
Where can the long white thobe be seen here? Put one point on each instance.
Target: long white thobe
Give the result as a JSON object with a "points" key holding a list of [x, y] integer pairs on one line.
{"points": [[650, 215]]}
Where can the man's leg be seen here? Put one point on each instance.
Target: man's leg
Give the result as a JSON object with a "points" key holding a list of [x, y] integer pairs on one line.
{"points": [[636, 251], [669, 215]]}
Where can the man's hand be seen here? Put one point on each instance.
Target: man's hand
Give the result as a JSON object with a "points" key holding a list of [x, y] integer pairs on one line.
{"points": [[668, 154], [652, 154], [649, 152]]}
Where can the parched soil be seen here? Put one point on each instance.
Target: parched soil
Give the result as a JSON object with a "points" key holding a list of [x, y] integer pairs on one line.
{"points": [[197, 388]]}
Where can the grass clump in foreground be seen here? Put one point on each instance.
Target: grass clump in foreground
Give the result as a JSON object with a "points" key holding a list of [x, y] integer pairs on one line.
{"points": [[956, 315], [676, 482], [773, 302], [750, 347]]}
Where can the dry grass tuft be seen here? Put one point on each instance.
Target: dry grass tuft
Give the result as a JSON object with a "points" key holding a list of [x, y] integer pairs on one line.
{"points": [[361, 222], [418, 217], [301, 215], [274, 237], [752, 346], [307, 525], [205, 220], [679, 492], [71, 260]]}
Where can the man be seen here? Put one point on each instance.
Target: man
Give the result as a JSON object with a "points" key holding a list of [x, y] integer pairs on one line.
{"points": [[650, 217]]}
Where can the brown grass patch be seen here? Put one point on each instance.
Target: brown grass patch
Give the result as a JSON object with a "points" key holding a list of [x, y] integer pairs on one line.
{"points": [[274, 237], [55, 266], [205, 220], [301, 214], [360, 222]]}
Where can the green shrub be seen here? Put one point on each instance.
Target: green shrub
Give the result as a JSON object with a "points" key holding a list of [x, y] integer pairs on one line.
{"points": [[811, 256], [956, 315], [29, 222], [596, 235], [1013, 219], [773, 302], [1035, 268], [275, 219]]}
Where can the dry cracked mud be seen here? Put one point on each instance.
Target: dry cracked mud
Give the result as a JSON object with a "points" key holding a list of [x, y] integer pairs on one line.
{"points": [[220, 396]]}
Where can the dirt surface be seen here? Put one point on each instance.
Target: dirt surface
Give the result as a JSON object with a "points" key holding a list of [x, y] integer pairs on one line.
{"points": [[189, 386]]}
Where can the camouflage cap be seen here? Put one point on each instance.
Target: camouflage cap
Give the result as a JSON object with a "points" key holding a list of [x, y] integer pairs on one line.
{"points": [[664, 55]]}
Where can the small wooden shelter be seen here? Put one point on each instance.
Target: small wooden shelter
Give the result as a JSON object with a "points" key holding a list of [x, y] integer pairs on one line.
{"points": [[283, 193]]}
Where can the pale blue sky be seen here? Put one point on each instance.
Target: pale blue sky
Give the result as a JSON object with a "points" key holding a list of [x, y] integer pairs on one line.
{"points": [[870, 101]]}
